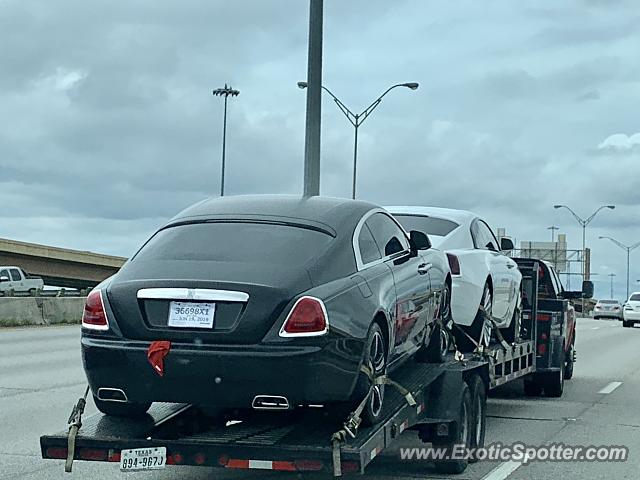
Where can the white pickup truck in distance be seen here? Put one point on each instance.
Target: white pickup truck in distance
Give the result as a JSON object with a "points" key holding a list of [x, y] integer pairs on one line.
{"points": [[14, 278]]}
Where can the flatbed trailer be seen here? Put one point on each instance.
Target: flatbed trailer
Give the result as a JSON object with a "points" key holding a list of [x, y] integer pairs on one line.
{"points": [[445, 403]]}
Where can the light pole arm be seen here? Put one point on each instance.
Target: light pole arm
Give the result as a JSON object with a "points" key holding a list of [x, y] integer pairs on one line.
{"points": [[588, 220], [634, 246], [352, 117], [367, 111], [577, 217], [620, 244]]}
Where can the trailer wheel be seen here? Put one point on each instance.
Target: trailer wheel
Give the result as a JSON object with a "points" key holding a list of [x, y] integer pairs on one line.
{"points": [[461, 436], [479, 418], [532, 385], [554, 383], [121, 409]]}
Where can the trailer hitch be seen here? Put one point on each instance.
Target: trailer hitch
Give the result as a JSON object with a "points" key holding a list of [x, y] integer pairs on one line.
{"points": [[74, 422]]}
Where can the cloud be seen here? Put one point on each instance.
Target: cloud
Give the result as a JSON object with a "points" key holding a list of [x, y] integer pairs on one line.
{"points": [[620, 141]]}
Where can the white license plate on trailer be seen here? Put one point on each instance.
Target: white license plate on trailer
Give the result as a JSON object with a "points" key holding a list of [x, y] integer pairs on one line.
{"points": [[152, 458], [191, 314]]}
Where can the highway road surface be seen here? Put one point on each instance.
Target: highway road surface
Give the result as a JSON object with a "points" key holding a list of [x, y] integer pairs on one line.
{"points": [[41, 377]]}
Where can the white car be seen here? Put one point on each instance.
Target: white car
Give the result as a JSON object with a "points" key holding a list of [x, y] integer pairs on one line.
{"points": [[484, 278], [14, 278], [631, 312]]}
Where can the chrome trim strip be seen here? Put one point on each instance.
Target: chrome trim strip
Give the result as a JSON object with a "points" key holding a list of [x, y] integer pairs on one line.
{"points": [[356, 248], [277, 405], [192, 294]]}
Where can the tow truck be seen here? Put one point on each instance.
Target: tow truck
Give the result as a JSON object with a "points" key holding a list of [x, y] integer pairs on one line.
{"points": [[444, 402]]}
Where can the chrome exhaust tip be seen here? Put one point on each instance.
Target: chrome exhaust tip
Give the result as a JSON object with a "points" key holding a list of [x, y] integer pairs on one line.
{"points": [[270, 402], [112, 395]]}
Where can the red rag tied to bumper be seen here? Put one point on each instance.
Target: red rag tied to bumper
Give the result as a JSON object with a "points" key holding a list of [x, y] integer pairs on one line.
{"points": [[156, 353]]}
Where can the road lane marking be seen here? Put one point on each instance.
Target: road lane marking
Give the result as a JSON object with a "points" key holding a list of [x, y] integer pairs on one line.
{"points": [[595, 328], [611, 387], [502, 471]]}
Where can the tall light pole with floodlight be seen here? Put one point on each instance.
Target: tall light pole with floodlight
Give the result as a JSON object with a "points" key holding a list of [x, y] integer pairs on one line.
{"points": [[356, 119], [628, 249], [225, 92], [584, 222]]}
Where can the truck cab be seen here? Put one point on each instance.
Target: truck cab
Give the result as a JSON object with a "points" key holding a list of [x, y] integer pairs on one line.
{"points": [[14, 279]]}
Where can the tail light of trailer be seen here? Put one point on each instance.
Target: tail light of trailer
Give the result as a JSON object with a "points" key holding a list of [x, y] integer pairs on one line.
{"points": [[94, 317], [454, 264], [544, 317], [308, 318]]}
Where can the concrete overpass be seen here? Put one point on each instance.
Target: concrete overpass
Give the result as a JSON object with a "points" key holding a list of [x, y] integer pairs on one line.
{"points": [[59, 267]]}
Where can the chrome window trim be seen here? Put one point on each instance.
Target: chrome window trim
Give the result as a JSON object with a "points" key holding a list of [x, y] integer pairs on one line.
{"points": [[192, 294], [356, 235]]}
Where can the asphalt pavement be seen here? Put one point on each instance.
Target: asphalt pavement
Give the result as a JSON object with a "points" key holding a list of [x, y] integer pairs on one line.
{"points": [[41, 377]]}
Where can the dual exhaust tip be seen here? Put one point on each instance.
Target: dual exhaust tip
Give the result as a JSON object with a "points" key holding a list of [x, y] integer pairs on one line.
{"points": [[260, 402], [270, 402]]}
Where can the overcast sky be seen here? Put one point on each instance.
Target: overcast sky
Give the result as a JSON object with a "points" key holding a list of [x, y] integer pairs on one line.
{"points": [[109, 126]]}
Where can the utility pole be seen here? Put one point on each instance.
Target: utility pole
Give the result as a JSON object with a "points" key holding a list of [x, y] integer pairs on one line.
{"points": [[314, 101]]}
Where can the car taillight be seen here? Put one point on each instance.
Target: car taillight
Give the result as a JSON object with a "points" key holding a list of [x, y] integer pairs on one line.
{"points": [[94, 316], [308, 318], [454, 264]]}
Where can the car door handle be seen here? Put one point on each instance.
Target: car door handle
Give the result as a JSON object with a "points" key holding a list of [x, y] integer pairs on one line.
{"points": [[510, 265], [424, 268]]}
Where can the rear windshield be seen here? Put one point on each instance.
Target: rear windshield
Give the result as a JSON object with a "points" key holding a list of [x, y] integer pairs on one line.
{"points": [[608, 302], [236, 242], [635, 297], [438, 227]]}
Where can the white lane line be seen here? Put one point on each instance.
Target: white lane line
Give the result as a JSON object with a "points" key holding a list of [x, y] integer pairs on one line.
{"points": [[502, 471], [595, 328], [610, 388]]}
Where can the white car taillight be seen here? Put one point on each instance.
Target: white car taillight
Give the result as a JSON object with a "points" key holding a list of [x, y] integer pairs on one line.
{"points": [[308, 318], [94, 316]]}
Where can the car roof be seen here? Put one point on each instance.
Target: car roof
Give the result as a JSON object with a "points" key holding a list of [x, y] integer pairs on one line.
{"points": [[327, 211], [459, 216]]}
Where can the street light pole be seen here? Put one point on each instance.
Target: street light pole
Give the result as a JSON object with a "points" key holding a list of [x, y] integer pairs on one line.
{"points": [[357, 119], [584, 222], [611, 275], [224, 92], [553, 229], [628, 249]]}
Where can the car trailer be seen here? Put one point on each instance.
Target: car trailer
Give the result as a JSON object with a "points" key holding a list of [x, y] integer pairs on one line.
{"points": [[445, 403]]}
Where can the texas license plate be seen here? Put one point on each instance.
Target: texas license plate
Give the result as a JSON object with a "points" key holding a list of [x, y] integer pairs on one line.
{"points": [[152, 458], [191, 314]]}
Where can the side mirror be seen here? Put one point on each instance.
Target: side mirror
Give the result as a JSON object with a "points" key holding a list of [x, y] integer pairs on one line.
{"points": [[506, 244], [587, 289], [4, 279], [419, 240]]}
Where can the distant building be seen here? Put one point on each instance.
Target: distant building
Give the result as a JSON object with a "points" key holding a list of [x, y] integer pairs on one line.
{"points": [[553, 252]]}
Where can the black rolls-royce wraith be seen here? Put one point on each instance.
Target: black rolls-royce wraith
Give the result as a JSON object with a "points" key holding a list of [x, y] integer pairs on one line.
{"points": [[265, 302]]}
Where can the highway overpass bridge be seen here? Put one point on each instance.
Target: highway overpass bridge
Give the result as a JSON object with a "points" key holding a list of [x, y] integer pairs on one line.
{"points": [[59, 267]]}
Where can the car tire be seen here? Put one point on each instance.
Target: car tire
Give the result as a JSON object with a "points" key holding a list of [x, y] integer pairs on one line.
{"points": [[479, 417], [554, 383], [32, 292], [461, 436], [475, 331], [121, 409], [436, 343], [375, 356], [626, 324], [532, 385], [568, 366]]}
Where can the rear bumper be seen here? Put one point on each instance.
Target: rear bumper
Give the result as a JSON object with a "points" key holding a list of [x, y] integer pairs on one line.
{"points": [[633, 316], [607, 314], [225, 376]]}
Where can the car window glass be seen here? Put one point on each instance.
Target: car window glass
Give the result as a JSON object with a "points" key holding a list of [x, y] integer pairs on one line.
{"points": [[635, 297], [387, 234], [15, 275], [369, 251], [429, 225], [4, 273], [483, 237]]}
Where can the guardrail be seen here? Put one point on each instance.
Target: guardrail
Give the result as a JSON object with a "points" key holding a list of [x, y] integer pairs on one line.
{"points": [[46, 293]]}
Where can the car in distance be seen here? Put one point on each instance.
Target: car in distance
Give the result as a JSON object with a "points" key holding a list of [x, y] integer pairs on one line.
{"points": [[485, 280], [268, 302], [631, 312], [606, 308], [14, 278]]}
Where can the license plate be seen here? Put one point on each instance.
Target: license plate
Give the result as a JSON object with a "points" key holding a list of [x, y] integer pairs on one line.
{"points": [[152, 458], [191, 314]]}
